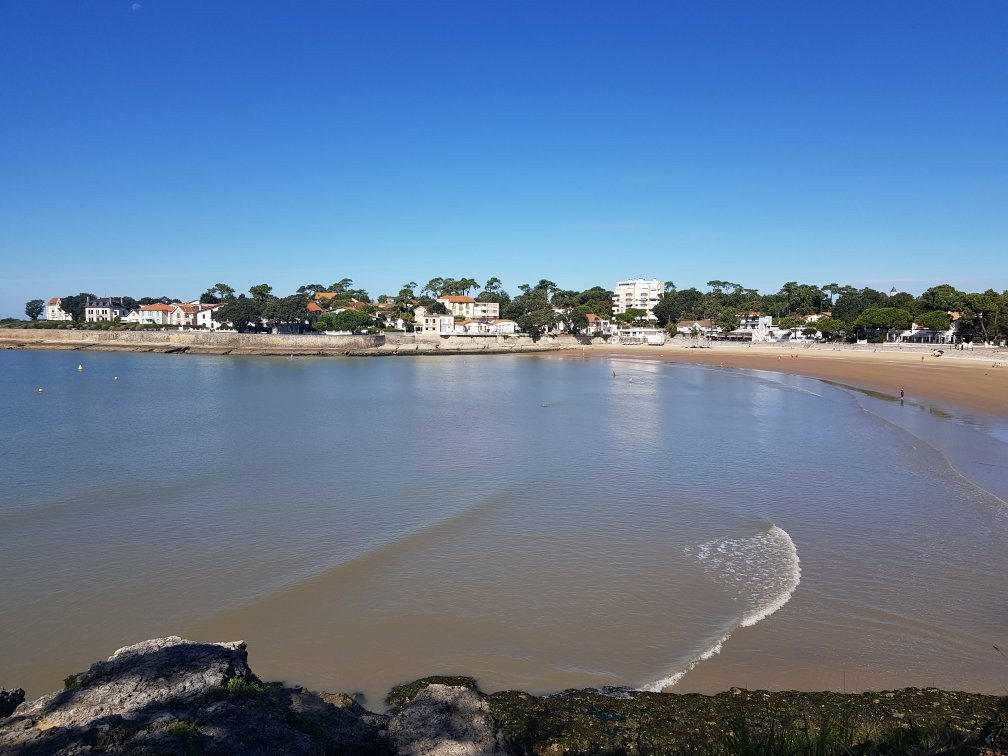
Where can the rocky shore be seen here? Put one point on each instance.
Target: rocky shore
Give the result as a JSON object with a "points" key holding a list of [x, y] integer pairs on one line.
{"points": [[171, 695], [280, 345]]}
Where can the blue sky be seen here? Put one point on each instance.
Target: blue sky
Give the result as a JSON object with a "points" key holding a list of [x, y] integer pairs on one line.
{"points": [[160, 146]]}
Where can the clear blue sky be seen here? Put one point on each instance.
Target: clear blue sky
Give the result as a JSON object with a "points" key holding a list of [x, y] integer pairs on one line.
{"points": [[159, 146]]}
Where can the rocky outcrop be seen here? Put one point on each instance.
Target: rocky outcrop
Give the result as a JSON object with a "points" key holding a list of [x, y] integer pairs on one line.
{"points": [[173, 696], [9, 700], [445, 720]]}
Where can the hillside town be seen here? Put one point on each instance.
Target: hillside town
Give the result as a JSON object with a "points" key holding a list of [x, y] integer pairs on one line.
{"points": [[634, 311]]}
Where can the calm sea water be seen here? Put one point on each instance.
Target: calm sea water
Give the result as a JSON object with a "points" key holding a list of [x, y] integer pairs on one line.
{"points": [[538, 522]]}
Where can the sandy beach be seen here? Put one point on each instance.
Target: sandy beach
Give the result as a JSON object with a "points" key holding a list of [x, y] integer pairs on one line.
{"points": [[967, 380]]}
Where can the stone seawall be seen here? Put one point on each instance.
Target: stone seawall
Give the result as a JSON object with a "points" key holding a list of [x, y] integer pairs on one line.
{"points": [[218, 342]]}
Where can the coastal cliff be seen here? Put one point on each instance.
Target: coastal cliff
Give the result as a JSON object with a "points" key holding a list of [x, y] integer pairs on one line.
{"points": [[171, 695]]}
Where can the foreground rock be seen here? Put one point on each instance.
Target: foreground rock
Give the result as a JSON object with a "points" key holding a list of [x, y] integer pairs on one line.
{"points": [[170, 696], [174, 696], [9, 700]]}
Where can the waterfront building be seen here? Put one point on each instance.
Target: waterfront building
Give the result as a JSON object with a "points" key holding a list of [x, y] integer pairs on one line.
{"points": [[54, 310], [106, 308], [151, 314], [598, 325], [182, 315], [703, 327], [648, 336], [639, 294], [468, 308], [204, 317], [439, 325]]}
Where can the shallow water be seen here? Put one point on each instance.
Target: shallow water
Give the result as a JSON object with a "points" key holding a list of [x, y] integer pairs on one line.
{"points": [[537, 522]]}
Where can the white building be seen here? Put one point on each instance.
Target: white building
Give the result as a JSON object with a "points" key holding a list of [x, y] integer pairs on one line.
{"points": [[638, 293], [704, 327], [485, 327], [182, 315], [468, 308], [598, 325], [152, 314], [648, 336], [204, 317], [104, 309], [438, 325], [54, 310]]}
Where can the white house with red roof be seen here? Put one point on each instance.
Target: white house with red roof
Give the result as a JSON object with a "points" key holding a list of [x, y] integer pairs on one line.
{"points": [[54, 310], [151, 314], [182, 315], [598, 325]]}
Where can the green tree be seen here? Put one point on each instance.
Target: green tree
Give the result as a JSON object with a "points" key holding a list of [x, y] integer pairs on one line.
{"points": [[537, 322], [830, 328], [831, 290], [311, 289], [34, 308], [292, 309], [242, 312], [346, 320], [632, 316], [224, 291], [982, 314], [261, 292], [727, 320], [668, 309], [935, 320], [943, 297], [434, 287], [576, 320], [74, 306], [878, 319]]}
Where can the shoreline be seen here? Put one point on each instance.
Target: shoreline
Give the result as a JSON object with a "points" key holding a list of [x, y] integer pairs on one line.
{"points": [[976, 381], [178, 696], [968, 382]]}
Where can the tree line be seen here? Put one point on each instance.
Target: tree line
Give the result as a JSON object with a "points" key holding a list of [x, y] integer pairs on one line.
{"points": [[544, 306]]}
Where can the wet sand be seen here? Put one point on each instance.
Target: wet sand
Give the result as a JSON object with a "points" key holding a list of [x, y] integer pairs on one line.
{"points": [[968, 382]]}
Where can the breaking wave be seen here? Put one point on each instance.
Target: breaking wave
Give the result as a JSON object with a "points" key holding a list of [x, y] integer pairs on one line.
{"points": [[761, 572]]}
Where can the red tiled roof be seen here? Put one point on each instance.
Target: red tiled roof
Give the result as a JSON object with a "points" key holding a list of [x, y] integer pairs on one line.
{"points": [[455, 298], [55, 300], [157, 306], [312, 307]]}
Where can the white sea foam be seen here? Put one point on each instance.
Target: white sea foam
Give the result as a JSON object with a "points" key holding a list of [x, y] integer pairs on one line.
{"points": [[761, 572]]}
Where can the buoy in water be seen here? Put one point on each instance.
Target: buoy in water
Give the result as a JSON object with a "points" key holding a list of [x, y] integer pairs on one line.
{"points": [[80, 367], [40, 389], [115, 377]]}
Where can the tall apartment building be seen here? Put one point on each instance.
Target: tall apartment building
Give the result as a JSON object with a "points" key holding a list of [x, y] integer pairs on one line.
{"points": [[638, 293]]}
